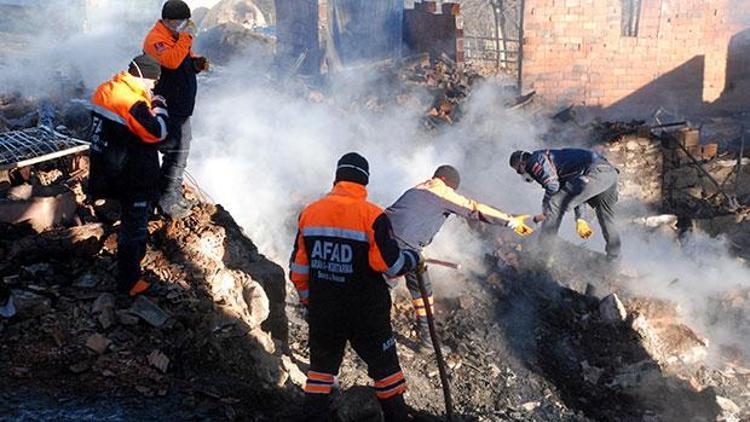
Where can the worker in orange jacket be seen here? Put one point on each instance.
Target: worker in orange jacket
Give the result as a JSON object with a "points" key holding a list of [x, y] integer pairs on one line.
{"points": [[342, 251], [129, 123], [170, 43]]}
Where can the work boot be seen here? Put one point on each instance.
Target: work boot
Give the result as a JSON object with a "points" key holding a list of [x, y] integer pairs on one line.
{"points": [[174, 207]]}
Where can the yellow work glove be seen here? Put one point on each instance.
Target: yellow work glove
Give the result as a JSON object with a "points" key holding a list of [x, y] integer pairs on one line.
{"points": [[421, 266], [518, 224], [583, 229]]}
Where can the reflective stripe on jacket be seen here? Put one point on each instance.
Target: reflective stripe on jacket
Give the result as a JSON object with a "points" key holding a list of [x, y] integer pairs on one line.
{"points": [[420, 212], [125, 100], [343, 248], [178, 82]]}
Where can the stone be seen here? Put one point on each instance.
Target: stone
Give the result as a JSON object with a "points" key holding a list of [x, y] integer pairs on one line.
{"points": [[86, 281], [30, 305], [729, 409], [159, 360], [126, 318], [98, 343], [531, 406], [257, 302], [357, 404], [611, 310], [104, 301], [591, 374], [79, 368], [107, 318], [149, 312], [295, 374]]}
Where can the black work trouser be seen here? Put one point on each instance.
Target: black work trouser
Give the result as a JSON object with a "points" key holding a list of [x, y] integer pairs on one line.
{"points": [[131, 242], [376, 345], [412, 284], [175, 150], [598, 188]]}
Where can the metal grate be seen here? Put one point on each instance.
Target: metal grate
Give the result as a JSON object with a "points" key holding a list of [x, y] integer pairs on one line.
{"points": [[31, 146]]}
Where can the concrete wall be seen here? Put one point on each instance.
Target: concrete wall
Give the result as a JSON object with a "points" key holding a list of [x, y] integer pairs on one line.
{"points": [[575, 54]]}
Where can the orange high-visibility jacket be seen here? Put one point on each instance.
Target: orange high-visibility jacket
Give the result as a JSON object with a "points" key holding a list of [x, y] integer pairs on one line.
{"points": [[178, 82], [161, 44], [343, 247], [125, 100]]}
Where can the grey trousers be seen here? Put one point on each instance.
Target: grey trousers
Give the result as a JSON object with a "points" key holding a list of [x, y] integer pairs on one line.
{"points": [[598, 188], [176, 150]]}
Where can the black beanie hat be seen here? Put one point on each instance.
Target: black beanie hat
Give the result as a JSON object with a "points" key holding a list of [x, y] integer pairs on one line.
{"points": [[517, 157], [145, 66], [353, 167], [175, 9], [449, 175]]}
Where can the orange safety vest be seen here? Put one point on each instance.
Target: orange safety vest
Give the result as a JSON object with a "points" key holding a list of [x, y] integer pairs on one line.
{"points": [[115, 99]]}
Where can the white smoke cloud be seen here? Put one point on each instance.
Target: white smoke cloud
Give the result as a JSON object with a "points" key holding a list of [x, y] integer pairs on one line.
{"points": [[75, 41], [690, 273], [264, 155]]}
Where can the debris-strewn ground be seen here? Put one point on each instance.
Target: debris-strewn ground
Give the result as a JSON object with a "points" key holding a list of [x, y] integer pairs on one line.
{"points": [[212, 335], [527, 344], [222, 336]]}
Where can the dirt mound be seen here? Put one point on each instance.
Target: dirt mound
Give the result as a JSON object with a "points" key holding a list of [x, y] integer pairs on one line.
{"points": [[213, 332]]}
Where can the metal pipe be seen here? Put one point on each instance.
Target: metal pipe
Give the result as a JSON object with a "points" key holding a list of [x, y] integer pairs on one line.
{"points": [[442, 263], [43, 158], [436, 345], [732, 202]]}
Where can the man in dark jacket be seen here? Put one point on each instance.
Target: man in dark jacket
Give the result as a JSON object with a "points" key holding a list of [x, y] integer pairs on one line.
{"points": [[128, 124], [170, 43], [572, 178], [420, 213], [342, 251]]}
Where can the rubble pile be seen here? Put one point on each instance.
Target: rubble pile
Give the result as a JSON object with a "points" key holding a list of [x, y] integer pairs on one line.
{"points": [[213, 332], [639, 158], [448, 84], [527, 344]]}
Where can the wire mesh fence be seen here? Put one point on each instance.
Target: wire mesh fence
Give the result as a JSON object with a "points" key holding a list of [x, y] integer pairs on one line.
{"points": [[22, 148]]}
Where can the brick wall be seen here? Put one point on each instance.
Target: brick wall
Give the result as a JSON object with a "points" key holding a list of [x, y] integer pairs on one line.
{"points": [[575, 54], [433, 29]]}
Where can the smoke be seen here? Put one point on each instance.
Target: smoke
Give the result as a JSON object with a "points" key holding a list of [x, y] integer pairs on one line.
{"points": [[264, 154], [194, 4], [693, 273], [71, 42]]}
